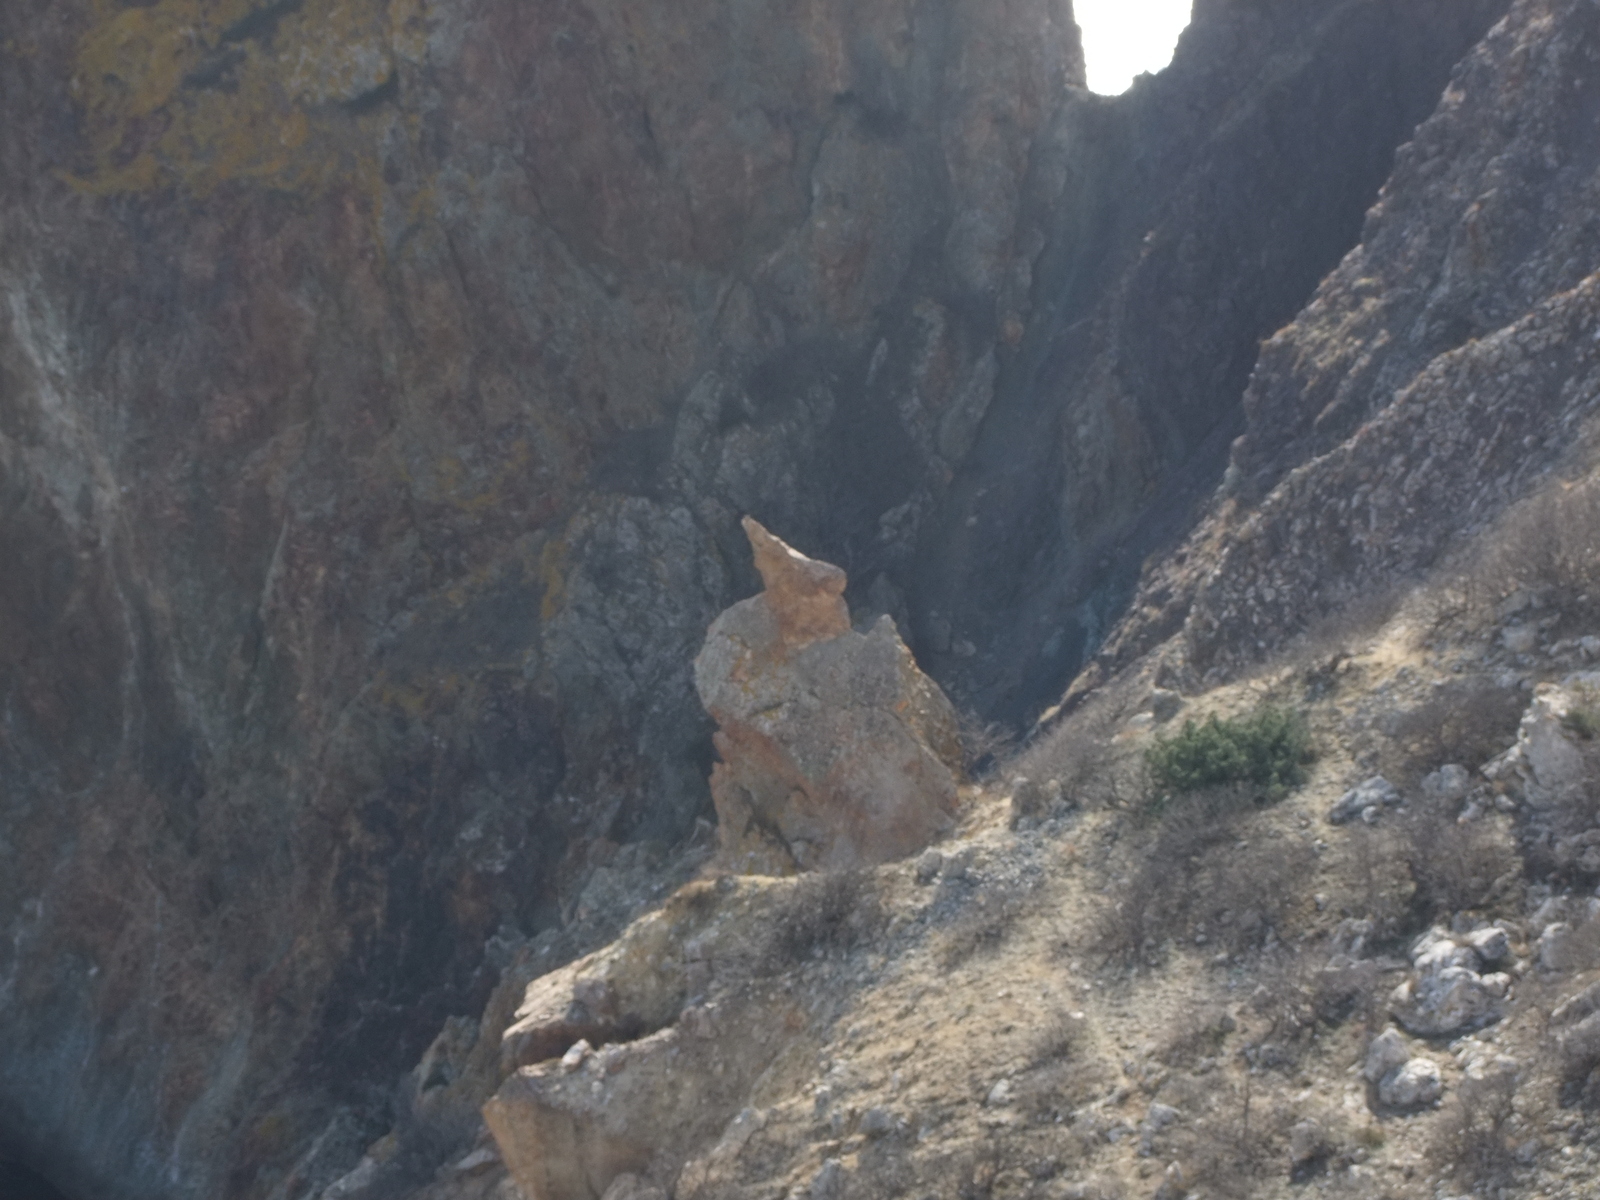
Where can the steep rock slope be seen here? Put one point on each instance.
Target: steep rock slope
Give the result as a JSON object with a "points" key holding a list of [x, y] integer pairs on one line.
{"points": [[1444, 368], [1218, 195], [380, 388]]}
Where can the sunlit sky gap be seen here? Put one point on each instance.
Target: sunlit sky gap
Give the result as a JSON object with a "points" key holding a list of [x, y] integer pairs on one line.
{"points": [[1124, 38]]}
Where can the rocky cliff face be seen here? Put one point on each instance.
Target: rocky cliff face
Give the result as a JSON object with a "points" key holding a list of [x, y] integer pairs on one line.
{"points": [[1443, 370], [381, 384]]}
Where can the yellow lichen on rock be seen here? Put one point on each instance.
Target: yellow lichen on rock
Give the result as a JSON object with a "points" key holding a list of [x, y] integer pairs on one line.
{"points": [[185, 94]]}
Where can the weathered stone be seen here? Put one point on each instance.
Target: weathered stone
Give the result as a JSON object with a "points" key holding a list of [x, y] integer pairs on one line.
{"points": [[1416, 1085], [1438, 950], [1557, 947], [671, 1082], [1308, 1142], [1547, 763], [1491, 944], [1451, 1001], [836, 751], [1448, 783], [877, 1122], [1388, 1052], [1375, 793]]}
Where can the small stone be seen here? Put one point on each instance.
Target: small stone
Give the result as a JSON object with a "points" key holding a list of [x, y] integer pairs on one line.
{"points": [[478, 1160], [1415, 1085], [929, 864], [1028, 801], [828, 1183], [1307, 1143], [999, 1095], [1375, 794], [1388, 1052], [1491, 944], [1520, 639], [877, 1122], [1557, 947], [1160, 1116], [576, 1056]]}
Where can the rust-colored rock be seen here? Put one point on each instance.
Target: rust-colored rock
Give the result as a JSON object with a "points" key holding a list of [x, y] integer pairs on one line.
{"points": [[806, 596], [837, 751]]}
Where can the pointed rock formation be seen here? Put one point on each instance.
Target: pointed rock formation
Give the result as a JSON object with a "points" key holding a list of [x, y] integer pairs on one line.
{"points": [[837, 751]]}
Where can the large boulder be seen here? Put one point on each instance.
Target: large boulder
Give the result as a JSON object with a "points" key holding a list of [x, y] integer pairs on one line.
{"points": [[1548, 766], [837, 751]]}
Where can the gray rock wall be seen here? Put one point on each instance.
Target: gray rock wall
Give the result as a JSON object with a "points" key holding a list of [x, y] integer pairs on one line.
{"points": [[1439, 373], [380, 388]]}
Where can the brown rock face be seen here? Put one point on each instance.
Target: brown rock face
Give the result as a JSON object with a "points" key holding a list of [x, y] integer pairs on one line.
{"points": [[837, 752], [381, 382]]}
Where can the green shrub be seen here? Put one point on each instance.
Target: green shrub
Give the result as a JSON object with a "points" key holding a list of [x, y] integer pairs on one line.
{"points": [[1267, 752]]}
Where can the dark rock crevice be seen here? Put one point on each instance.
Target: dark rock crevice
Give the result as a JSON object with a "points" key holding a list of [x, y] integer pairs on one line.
{"points": [[1219, 202]]}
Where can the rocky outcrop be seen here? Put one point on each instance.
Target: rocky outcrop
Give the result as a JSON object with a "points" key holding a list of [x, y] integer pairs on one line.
{"points": [[837, 752], [1449, 992], [1439, 373], [637, 1060]]}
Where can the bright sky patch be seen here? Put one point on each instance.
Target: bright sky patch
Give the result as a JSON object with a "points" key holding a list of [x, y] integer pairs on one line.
{"points": [[1124, 38]]}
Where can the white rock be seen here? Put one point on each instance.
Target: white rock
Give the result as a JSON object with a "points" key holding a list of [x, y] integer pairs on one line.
{"points": [[1546, 763], [1446, 1002], [999, 1094], [1388, 1052], [1492, 944], [575, 1057], [1438, 951], [1415, 1085]]}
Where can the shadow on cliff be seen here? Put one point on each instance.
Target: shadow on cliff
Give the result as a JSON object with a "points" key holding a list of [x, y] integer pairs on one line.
{"points": [[1223, 190], [18, 1182]]}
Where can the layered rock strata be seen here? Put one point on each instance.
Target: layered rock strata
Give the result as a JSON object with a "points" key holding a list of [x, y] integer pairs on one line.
{"points": [[836, 751]]}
